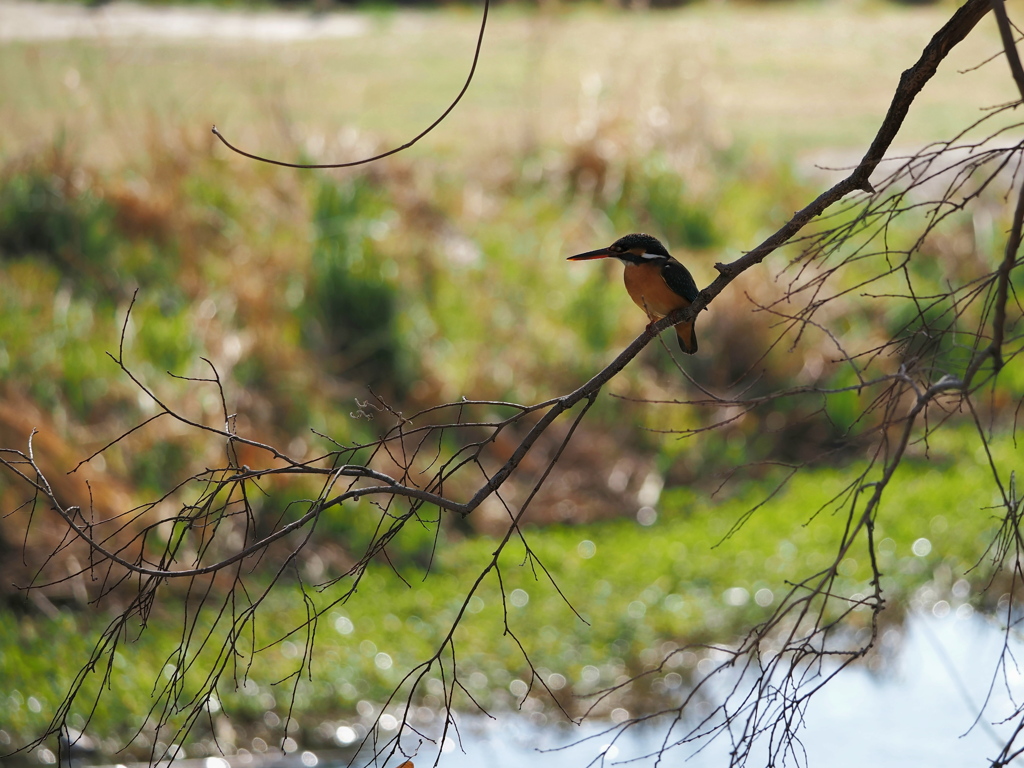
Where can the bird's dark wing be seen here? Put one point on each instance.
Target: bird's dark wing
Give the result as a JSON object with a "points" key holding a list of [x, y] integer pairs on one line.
{"points": [[679, 280]]}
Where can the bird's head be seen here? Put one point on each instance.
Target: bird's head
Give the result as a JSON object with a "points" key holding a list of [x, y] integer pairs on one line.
{"points": [[631, 249]]}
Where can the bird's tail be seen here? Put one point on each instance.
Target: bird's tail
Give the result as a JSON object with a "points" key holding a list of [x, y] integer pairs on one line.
{"points": [[687, 337]]}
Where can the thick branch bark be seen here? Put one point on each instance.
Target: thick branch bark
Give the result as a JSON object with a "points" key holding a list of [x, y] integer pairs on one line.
{"points": [[911, 83]]}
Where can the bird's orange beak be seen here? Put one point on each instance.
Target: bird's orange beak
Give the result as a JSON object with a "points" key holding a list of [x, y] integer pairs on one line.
{"points": [[600, 253]]}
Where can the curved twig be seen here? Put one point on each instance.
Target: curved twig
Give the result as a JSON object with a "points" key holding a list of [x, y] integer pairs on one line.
{"points": [[394, 150]]}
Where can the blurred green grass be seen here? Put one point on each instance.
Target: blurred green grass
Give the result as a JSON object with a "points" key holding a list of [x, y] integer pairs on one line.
{"points": [[641, 589]]}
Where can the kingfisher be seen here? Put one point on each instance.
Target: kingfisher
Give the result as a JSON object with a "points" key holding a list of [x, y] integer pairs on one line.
{"points": [[656, 282]]}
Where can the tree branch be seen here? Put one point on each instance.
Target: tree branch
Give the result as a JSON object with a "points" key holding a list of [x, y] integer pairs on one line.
{"points": [[395, 150]]}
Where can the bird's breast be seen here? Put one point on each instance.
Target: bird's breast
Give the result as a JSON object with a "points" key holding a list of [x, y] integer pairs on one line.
{"points": [[650, 292]]}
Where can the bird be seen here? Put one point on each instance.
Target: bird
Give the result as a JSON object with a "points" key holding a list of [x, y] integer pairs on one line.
{"points": [[656, 282]]}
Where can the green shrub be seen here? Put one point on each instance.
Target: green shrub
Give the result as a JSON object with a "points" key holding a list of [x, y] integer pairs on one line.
{"points": [[353, 307], [43, 216]]}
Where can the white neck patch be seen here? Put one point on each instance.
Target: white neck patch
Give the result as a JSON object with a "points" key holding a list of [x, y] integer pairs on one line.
{"points": [[651, 256]]}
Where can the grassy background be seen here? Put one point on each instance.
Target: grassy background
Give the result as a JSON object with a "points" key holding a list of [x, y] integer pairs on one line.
{"points": [[699, 125], [788, 78]]}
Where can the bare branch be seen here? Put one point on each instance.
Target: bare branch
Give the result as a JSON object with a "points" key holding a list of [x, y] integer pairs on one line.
{"points": [[395, 150]]}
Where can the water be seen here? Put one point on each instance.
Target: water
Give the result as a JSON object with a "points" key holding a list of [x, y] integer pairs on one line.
{"points": [[920, 711], [923, 712]]}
